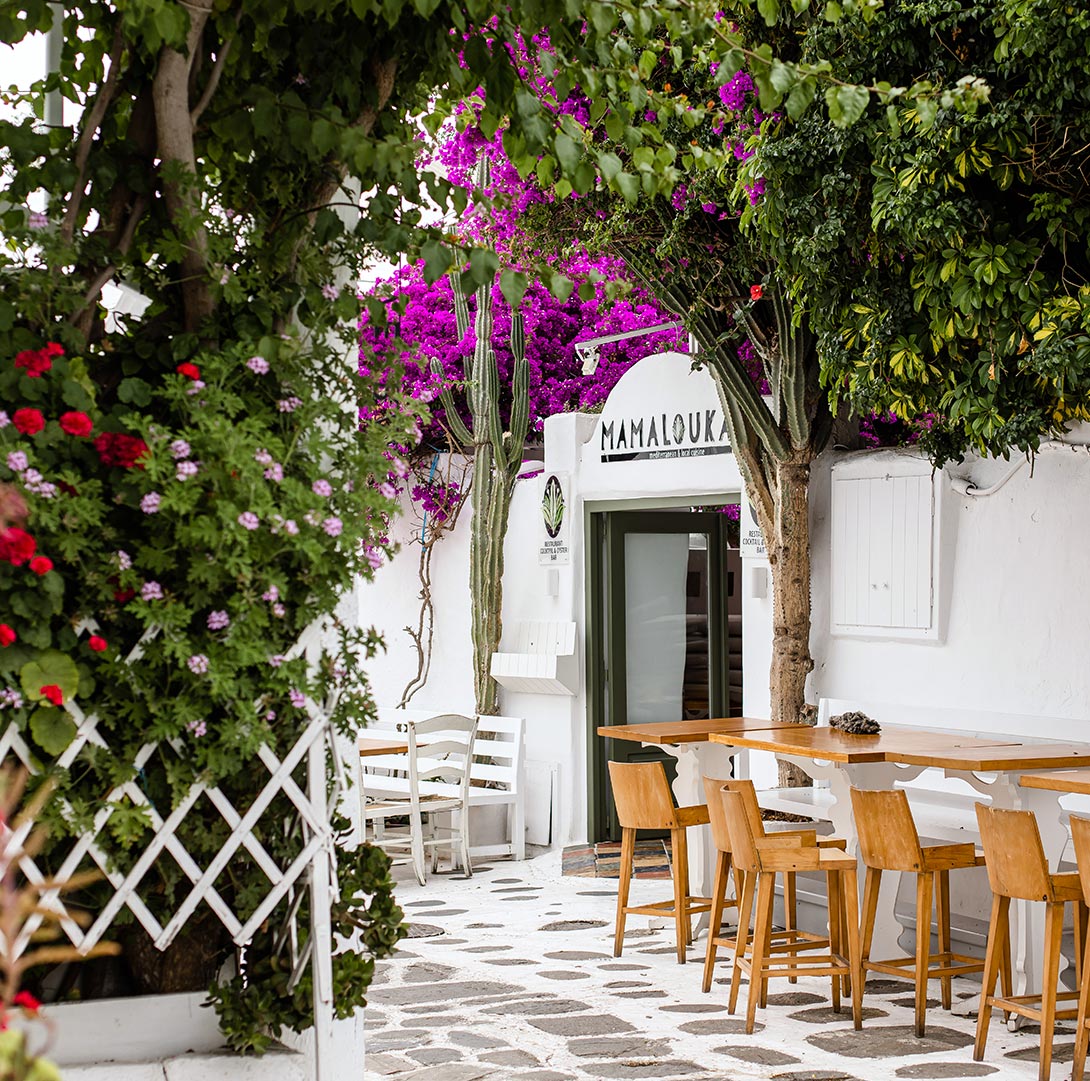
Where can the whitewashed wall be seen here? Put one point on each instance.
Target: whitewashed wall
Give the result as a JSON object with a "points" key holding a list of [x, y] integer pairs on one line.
{"points": [[1016, 635]]}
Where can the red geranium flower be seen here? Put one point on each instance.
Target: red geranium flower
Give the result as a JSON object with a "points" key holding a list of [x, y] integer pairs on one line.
{"points": [[190, 371], [27, 1001], [7, 635], [123, 596], [53, 349], [28, 421], [16, 546], [35, 361], [756, 292], [52, 693], [97, 643], [116, 448], [41, 564], [78, 424]]}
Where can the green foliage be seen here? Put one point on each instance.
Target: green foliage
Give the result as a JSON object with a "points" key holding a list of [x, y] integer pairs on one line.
{"points": [[17, 1064], [941, 255]]}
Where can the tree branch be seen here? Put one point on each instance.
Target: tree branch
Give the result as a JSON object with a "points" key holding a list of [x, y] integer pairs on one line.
{"points": [[213, 77], [92, 121]]}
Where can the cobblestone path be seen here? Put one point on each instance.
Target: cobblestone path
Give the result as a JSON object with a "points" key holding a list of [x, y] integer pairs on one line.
{"points": [[510, 974]]}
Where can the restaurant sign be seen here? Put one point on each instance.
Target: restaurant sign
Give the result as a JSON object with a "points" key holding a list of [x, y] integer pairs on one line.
{"points": [[555, 547], [670, 411], [751, 537]]}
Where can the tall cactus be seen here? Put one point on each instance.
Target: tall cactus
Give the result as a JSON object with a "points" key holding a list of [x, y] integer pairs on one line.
{"points": [[497, 456]]}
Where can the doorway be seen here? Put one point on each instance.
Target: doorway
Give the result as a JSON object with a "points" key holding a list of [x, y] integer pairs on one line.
{"points": [[664, 634]]}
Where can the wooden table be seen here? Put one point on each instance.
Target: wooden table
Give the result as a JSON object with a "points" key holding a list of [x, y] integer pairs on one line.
{"points": [[369, 747], [697, 757], [901, 753], [1076, 781]]}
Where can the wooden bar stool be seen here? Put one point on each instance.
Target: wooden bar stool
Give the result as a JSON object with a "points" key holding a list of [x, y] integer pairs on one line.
{"points": [[713, 789], [761, 857], [1080, 836], [1017, 868], [889, 841], [644, 802]]}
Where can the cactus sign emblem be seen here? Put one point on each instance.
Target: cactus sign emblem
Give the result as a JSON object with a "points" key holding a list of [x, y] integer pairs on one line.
{"points": [[555, 546]]}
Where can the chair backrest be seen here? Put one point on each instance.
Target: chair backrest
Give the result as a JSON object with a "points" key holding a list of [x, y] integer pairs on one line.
{"points": [[1080, 838], [500, 753], [1014, 854], [717, 815], [743, 842], [441, 755], [888, 838], [642, 794]]}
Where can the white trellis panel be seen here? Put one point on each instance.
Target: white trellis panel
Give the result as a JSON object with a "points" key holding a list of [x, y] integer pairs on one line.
{"points": [[315, 861]]}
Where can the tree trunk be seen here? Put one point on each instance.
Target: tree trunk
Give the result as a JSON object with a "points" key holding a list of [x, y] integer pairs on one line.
{"points": [[789, 556]]}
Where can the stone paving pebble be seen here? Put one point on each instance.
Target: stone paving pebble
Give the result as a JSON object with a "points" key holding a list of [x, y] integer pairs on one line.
{"points": [[491, 990]]}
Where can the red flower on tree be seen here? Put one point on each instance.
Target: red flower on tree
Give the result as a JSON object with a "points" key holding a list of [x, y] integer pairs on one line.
{"points": [[28, 421], [7, 635], [97, 643], [41, 565], [116, 448], [52, 693], [16, 546], [27, 1001], [190, 371], [756, 292], [77, 424]]}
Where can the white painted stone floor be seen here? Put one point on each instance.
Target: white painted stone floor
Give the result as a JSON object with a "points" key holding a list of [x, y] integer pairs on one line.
{"points": [[510, 974]]}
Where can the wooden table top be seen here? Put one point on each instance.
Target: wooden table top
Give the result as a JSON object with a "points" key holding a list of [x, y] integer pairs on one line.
{"points": [[892, 744], [697, 731], [374, 745], [1009, 757], [1064, 780]]}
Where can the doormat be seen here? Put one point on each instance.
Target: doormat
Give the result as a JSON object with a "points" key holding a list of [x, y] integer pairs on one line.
{"points": [[603, 860]]}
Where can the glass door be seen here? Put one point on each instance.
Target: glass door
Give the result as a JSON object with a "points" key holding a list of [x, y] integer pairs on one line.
{"points": [[658, 642]]}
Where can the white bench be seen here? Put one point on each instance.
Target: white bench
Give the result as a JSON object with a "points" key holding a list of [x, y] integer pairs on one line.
{"points": [[497, 777]]}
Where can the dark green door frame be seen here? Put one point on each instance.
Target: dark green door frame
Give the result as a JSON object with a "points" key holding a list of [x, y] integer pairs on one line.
{"points": [[606, 638]]}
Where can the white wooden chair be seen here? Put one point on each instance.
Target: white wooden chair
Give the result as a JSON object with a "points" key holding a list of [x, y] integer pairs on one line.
{"points": [[499, 780], [436, 778]]}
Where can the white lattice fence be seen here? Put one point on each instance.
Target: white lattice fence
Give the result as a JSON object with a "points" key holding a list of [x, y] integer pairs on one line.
{"points": [[313, 866]]}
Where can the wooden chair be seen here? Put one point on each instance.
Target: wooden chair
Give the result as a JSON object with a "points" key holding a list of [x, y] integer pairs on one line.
{"points": [[761, 857], [1080, 836], [642, 794], [889, 841], [713, 789], [1017, 868], [438, 764]]}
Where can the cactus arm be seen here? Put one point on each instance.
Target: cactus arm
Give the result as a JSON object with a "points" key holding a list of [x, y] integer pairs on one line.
{"points": [[455, 424], [520, 388]]}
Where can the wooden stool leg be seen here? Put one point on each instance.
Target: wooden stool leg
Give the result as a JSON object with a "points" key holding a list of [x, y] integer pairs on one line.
{"points": [[1081, 1031], [923, 947], [1006, 969], [766, 884], [872, 883], [745, 910], [719, 890], [677, 847], [683, 864], [628, 851], [942, 915], [790, 908], [997, 934], [834, 894], [855, 950], [1080, 917], [1050, 974]]}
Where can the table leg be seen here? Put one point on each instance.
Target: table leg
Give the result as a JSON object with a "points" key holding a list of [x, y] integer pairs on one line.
{"points": [[870, 775], [695, 761], [1027, 918]]}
